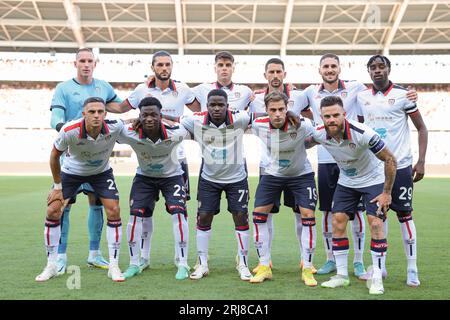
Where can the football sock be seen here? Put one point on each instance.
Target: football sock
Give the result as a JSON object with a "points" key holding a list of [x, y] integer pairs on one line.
{"points": [[146, 237], [261, 238], [340, 251], [308, 241], [409, 236], [327, 235], [358, 232], [52, 233], [378, 248], [95, 227], [203, 235], [65, 224], [134, 237], [242, 237], [271, 229], [114, 236], [181, 236], [298, 231]]}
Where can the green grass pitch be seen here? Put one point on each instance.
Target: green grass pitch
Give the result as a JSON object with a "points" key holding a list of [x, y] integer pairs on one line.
{"points": [[22, 210]]}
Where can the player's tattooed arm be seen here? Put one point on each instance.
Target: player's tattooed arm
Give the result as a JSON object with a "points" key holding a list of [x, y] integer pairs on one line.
{"points": [[390, 170], [419, 167]]}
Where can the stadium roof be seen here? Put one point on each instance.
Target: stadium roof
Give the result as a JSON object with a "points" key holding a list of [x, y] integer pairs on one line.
{"points": [[241, 26]]}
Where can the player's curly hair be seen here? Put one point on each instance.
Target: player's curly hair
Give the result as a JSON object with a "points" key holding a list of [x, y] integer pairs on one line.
{"points": [[150, 101]]}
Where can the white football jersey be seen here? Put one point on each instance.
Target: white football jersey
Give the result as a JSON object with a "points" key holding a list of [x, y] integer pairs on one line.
{"points": [[347, 91], [387, 114], [285, 147], [223, 160], [156, 159], [173, 99], [355, 154], [296, 98], [86, 156], [239, 96]]}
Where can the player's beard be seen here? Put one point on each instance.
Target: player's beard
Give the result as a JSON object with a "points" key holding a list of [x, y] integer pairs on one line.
{"points": [[324, 78], [163, 78], [278, 84], [334, 130]]}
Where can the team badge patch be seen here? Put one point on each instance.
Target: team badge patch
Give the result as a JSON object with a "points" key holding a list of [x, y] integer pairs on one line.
{"points": [[293, 135], [352, 145], [391, 101], [175, 93], [149, 95], [97, 89], [344, 94], [290, 103], [237, 95]]}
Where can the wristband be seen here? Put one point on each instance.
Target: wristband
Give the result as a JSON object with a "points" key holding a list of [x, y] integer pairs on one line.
{"points": [[57, 186]]}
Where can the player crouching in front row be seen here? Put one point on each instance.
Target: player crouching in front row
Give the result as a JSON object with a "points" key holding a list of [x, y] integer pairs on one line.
{"points": [[89, 141]]}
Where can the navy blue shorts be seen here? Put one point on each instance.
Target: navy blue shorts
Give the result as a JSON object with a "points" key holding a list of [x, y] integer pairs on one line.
{"points": [[288, 197], [303, 189], [209, 195], [145, 193], [328, 176], [86, 188], [103, 184], [402, 191], [346, 199]]}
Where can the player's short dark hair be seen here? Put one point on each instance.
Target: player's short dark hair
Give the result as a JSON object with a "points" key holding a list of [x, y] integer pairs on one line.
{"points": [[276, 96], [93, 99], [385, 60], [150, 101], [329, 55], [160, 53], [226, 55], [218, 92], [274, 61], [83, 49], [331, 101]]}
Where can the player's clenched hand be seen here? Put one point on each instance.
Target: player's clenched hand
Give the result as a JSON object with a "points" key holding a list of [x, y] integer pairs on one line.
{"points": [[293, 119], [383, 201], [418, 171]]}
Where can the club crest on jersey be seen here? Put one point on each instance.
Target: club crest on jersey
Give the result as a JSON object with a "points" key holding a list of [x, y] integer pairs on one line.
{"points": [[391, 101], [352, 145], [97, 89], [149, 95], [344, 94], [175, 94], [293, 135], [237, 95], [290, 103]]}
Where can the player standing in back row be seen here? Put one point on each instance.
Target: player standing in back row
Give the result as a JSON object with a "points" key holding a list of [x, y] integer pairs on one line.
{"points": [[67, 105], [386, 110]]}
